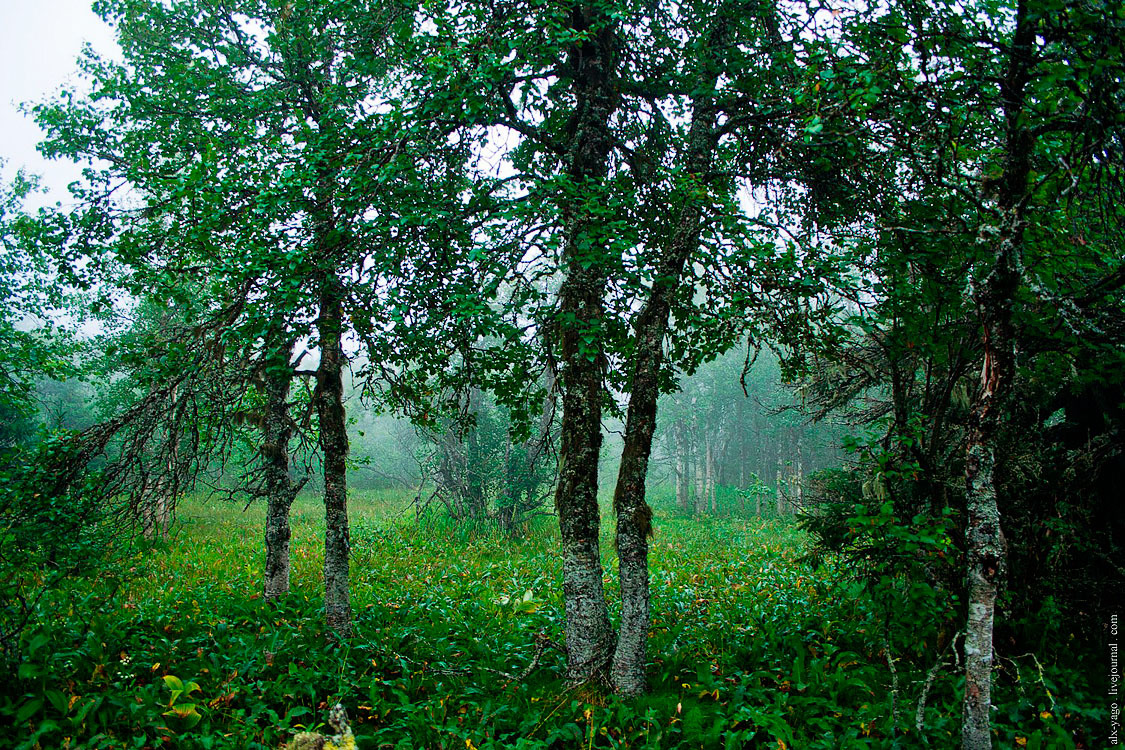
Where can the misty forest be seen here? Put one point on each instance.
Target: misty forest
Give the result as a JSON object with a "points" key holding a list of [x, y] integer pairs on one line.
{"points": [[569, 374]]}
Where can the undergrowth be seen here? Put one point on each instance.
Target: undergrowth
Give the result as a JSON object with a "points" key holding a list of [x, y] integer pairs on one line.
{"points": [[750, 648]]}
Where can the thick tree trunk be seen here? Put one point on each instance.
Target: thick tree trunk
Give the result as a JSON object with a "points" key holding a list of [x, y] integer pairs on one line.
{"points": [[995, 296], [277, 429], [593, 59], [334, 446]]}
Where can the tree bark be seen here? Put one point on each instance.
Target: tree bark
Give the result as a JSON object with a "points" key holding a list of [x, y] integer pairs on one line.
{"points": [[711, 479], [593, 59], [699, 475], [277, 429], [995, 296], [800, 476], [473, 478], [334, 446]]}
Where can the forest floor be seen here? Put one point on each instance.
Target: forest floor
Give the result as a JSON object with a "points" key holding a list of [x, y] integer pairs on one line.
{"points": [[751, 647]]}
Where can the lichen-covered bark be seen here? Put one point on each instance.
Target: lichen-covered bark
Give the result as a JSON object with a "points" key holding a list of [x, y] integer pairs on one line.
{"points": [[334, 446], [277, 430], [591, 60], [984, 558], [984, 550], [634, 517]]}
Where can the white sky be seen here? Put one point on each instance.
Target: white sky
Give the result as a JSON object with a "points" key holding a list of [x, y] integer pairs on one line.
{"points": [[40, 41]]}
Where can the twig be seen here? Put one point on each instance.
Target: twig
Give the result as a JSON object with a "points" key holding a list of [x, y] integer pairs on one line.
{"points": [[541, 644], [894, 687], [931, 675]]}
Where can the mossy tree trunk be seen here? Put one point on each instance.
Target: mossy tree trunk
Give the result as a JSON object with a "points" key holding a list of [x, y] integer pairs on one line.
{"points": [[580, 321], [334, 446], [280, 489]]}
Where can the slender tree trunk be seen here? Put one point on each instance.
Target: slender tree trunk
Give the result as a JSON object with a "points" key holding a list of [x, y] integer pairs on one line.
{"points": [[280, 490], [166, 498], [984, 544], [800, 476], [742, 474], [156, 507], [474, 480], [712, 479], [700, 480], [593, 59], [634, 517], [334, 445], [682, 499], [780, 499]]}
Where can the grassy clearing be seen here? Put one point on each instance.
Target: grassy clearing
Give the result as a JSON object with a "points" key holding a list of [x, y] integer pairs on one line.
{"points": [[750, 647]]}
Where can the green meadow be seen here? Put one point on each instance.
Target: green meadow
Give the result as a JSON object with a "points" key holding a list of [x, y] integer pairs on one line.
{"points": [[457, 646]]}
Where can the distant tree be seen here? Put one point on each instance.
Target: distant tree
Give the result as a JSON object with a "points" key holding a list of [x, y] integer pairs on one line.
{"points": [[481, 471]]}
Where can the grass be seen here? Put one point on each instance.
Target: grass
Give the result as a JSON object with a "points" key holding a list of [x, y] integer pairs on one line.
{"points": [[750, 647]]}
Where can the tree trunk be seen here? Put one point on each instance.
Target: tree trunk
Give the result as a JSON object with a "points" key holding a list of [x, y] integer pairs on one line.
{"points": [[593, 59], [634, 517], [682, 499], [697, 465], [742, 474], [156, 509], [800, 476], [475, 500], [277, 429], [780, 499], [334, 445], [712, 500], [983, 537]]}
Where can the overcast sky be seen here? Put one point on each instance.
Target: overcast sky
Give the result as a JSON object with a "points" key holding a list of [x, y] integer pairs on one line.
{"points": [[40, 41]]}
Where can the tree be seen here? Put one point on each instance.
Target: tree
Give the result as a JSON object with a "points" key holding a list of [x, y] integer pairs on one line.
{"points": [[982, 176], [244, 127]]}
